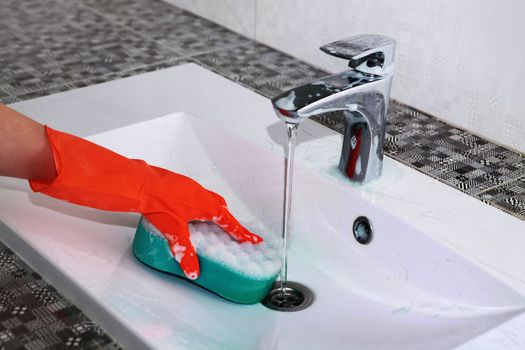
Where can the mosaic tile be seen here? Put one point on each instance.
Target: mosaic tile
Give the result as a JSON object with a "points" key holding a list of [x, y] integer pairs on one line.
{"points": [[101, 79], [33, 315], [509, 197], [38, 54], [5, 98], [260, 68], [451, 155], [168, 25], [32, 15]]}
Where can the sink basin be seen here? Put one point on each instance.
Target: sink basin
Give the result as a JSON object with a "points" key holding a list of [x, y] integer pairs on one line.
{"points": [[402, 291], [410, 288]]}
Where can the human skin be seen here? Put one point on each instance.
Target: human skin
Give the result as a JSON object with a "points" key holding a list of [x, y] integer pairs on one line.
{"points": [[24, 148]]}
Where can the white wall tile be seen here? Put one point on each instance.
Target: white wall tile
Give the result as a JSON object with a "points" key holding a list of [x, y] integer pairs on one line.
{"points": [[236, 15], [462, 61]]}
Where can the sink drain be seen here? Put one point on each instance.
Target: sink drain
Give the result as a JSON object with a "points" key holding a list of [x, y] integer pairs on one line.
{"points": [[294, 297], [362, 230]]}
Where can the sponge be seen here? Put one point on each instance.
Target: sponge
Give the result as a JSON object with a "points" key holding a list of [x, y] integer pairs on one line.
{"points": [[241, 272]]}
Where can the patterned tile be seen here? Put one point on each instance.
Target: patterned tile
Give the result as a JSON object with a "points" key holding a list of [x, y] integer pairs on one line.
{"points": [[34, 14], [46, 44], [34, 316], [451, 155], [509, 197], [260, 68], [168, 25], [101, 79], [5, 98]]}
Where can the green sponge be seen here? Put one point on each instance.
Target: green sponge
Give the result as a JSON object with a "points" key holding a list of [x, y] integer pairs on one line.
{"points": [[240, 272]]}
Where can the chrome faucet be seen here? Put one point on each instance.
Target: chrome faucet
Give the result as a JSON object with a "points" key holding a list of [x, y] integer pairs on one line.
{"points": [[360, 93]]}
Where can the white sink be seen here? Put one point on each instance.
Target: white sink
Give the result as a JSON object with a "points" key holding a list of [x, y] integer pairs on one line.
{"points": [[405, 290]]}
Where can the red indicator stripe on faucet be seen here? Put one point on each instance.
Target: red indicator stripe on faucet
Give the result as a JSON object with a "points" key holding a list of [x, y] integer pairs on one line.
{"points": [[284, 112], [354, 152]]}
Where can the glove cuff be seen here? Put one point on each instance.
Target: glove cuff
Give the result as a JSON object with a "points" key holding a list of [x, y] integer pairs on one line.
{"points": [[39, 186], [93, 176]]}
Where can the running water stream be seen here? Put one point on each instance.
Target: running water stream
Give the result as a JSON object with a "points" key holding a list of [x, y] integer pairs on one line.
{"points": [[288, 178]]}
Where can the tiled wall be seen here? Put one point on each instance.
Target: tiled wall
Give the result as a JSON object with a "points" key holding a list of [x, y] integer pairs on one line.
{"points": [[458, 60]]}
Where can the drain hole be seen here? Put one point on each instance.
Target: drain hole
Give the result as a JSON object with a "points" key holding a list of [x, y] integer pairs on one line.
{"points": [[286, 299], [362, 230], [294, 297]]}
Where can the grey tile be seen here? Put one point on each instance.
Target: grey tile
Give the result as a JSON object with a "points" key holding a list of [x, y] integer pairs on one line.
{"points": [[5, 98], [262, 69], [101, 79], [33, 15], [134, 10], [451, 155], [60, 43], [509, 197], [33, 315], [168, 25]]}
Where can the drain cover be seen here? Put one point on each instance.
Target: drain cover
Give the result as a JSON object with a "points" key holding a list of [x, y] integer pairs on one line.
{"points": [[294, 297], [362, 230]]}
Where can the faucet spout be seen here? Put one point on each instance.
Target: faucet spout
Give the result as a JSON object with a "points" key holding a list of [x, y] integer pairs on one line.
{"points": [[361, 94]]}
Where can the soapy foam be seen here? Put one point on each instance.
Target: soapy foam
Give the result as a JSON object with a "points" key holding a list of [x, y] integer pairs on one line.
{"points": [[262, 260]]}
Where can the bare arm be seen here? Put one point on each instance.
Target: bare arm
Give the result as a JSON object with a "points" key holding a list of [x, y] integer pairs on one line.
{"points": [[24, 149]]}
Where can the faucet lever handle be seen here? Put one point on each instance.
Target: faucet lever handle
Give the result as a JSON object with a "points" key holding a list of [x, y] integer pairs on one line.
{"points": [[367, 53]]}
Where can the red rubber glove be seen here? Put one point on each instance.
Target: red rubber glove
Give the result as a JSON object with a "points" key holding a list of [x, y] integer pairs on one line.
{"points": [[96, 177]]}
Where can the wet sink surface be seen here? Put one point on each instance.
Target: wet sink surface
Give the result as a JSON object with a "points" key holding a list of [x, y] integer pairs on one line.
{"points": [[404, 290]]}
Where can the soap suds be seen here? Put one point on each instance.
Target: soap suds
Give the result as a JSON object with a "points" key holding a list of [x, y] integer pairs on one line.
{"points": [[287, 103], [262, 260], [178, 251]]}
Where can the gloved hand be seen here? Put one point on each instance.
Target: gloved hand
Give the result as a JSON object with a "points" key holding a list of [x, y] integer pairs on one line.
{"points": [[93, 176]]}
